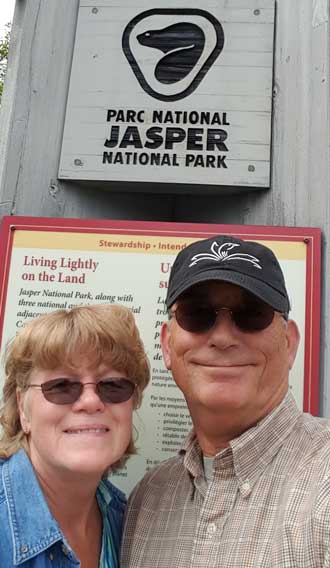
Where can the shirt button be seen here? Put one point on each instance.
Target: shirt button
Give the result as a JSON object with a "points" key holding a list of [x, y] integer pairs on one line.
{"points": [[211, 528], [51, 556], [245, 488], [24, 548]]}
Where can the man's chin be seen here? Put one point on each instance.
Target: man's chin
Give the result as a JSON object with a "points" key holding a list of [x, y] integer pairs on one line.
{"points": [[223, 400]]}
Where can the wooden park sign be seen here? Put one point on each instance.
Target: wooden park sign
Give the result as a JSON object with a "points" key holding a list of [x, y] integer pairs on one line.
{"points": [[171, 93]]}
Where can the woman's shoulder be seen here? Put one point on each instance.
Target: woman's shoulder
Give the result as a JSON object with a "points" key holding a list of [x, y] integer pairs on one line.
{"points": [[2, 489], [111, 493], [3, 466]]}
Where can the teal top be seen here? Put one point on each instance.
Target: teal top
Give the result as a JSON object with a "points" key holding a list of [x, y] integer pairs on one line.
{"points": [[111, 532]]}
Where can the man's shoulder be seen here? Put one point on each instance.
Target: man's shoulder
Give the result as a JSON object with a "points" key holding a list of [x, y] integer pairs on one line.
{"points": [[317, 429], [165, 470], [310, 444], [161, 478]]}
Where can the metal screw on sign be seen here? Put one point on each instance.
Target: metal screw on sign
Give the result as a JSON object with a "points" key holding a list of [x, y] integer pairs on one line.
{"points": [[251, 168], [78, 162], [94, 10], [256, 12]]}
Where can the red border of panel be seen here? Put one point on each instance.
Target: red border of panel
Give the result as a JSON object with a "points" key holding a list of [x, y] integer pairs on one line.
{"points": [[311, 236]]}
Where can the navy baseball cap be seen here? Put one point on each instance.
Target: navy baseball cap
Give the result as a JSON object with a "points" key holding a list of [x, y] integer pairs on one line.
{"points": [[247, 264]]}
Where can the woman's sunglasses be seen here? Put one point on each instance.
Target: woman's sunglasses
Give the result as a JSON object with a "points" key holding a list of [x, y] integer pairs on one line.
{"points": [[198, 318], [66, 391]]}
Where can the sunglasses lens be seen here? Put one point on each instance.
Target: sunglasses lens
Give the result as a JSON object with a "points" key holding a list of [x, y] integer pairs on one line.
{"points": [[61, 391], [254, 317], [194, 318], [115, 390]]}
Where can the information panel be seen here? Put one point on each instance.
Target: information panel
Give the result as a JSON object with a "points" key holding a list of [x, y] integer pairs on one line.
{"points": [[175, 92], [55, 263]]}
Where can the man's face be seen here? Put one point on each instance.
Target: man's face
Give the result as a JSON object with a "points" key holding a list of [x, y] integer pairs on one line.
{"points": [[226, 370]]}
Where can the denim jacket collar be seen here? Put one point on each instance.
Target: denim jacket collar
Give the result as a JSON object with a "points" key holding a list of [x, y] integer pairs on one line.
{"points": [[33, 529]]}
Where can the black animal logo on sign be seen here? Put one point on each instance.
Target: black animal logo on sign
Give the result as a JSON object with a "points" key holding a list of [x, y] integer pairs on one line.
{"points": [[184, 44], [182, 54]]}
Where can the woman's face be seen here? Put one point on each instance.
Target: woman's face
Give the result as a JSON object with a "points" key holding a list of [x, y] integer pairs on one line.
{"points": [[84, 437]]}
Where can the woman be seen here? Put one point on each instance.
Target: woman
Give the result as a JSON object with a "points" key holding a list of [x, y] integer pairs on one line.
{"points": [[73, 378]]}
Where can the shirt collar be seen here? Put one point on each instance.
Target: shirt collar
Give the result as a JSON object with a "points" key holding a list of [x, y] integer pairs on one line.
{"points": [[249, 454], [257, 447]]}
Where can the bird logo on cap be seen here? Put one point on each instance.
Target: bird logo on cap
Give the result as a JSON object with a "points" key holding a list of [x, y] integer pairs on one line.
{"points": [[220, 253]]}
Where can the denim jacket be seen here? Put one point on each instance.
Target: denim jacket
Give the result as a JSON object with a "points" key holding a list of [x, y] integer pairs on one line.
{"points": [[29, 534]]}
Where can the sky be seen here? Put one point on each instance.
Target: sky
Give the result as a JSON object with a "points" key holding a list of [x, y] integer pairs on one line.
{"points": [[6, 13]]}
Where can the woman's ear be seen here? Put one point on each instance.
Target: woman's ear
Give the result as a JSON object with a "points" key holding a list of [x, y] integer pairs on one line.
{"points": [[22, 404]]}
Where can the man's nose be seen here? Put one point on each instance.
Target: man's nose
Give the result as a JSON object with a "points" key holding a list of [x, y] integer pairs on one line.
{"points": [[223, 330]]}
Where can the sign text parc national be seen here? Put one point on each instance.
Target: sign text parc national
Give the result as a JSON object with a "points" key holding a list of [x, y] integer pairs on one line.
{"points": [[166, 137]]}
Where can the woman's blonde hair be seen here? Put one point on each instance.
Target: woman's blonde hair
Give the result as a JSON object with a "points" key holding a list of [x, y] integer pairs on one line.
{"points": [[62, 339]]}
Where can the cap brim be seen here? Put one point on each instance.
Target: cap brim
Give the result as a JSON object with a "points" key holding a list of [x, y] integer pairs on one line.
{"points": [[263, 291]]}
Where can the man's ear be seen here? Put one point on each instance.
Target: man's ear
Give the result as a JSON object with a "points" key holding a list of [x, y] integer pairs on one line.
{"points": [[165, 339], [293, 337], [21, 403]]}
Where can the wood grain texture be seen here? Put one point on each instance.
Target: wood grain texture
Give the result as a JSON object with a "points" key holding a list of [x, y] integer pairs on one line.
{"points": [[32, 119]]}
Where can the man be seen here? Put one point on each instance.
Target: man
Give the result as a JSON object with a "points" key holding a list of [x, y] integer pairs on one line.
{"points": [[251, 486]]}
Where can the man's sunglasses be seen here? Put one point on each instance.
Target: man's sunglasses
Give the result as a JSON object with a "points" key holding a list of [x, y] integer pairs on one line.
{"points": [[198, 318], [66, 391]]}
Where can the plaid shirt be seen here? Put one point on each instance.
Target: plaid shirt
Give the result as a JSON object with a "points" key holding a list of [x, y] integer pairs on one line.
{"points": [[268, 504]]}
